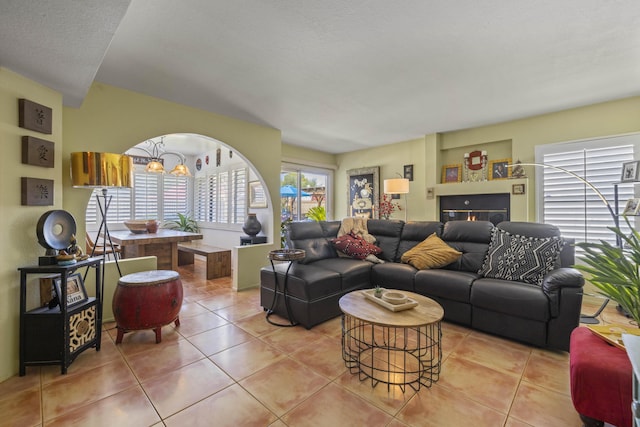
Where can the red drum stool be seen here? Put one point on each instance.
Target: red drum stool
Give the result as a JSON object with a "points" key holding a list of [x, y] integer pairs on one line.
{"points": [[601, 380], [147, 300]]}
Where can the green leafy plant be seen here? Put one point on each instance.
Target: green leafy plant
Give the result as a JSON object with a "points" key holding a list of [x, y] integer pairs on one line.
{"points": [[183, 223], [317, 213], [614, 270], [284, 227]]}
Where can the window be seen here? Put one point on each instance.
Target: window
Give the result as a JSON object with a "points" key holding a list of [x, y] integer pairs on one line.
{"points": [[302, 190], [222, 197], [565, 201]]}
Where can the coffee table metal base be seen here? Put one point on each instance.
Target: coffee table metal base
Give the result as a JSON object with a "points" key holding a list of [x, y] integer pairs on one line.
{"points": [[392, 355]]}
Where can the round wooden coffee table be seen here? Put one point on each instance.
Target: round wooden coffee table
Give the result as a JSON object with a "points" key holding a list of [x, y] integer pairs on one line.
{"points": [[392, 347]]}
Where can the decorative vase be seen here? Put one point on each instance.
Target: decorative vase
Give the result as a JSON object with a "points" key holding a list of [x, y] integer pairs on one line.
{"points": [[252, 226], [152, 226]]}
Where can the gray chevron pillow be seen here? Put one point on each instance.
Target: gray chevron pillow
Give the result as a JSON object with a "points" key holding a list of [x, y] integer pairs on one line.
{"points": [[520, 258]]}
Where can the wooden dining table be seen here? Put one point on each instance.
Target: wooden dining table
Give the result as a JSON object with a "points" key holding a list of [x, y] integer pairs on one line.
{"points": [[163, 244]]}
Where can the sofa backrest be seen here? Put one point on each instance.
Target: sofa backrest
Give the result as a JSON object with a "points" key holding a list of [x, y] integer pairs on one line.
{"points": [[314, 238], [387, 233], [472, 238], [534, 229], [415, 232]]}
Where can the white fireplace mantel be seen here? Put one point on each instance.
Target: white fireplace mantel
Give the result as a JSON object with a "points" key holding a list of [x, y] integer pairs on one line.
{"points": [[519, 206]]}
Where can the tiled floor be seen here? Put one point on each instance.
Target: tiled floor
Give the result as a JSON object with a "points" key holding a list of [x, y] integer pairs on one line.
{"points": [[226, 366]]}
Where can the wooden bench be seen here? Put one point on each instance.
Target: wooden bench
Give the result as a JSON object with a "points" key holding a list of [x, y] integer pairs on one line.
{"points": [[218, 259]]}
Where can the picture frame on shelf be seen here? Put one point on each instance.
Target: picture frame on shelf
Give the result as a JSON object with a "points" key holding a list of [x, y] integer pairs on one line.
{"points": [[257, 197], [498, 169], [363, 192], [76, 292], [451, 173], [518, 189], [630, 171], [631, 208]]}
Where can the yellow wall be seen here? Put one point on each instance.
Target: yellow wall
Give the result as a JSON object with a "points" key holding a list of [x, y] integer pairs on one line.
{"points": [[113, 120], [18, 242], [291, 153], [429, 154]]}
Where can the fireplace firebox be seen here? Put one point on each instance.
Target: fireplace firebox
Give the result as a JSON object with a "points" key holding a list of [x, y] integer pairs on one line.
{"points": [[475, 207]]}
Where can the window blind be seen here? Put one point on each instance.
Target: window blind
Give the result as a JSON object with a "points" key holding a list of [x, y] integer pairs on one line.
{"points": [[573, 206]]}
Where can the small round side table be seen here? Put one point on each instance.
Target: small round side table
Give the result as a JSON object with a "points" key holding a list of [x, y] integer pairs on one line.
{"points": [[289, 255]]}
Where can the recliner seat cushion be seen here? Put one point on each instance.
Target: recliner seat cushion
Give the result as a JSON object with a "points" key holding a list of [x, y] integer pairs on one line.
{"points": [[516, 299], [452, 285]]}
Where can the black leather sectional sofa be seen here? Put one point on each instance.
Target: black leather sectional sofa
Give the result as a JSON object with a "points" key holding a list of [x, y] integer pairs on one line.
{"points": [[542, 315]]}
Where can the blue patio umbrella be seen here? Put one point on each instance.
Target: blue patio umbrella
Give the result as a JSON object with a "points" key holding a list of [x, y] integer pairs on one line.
{"points": [[291, 191]]}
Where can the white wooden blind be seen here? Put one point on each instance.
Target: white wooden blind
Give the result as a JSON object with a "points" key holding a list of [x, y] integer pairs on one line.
{"points": [[175, 197], [573, 206], [239, 193], [145, 195]]}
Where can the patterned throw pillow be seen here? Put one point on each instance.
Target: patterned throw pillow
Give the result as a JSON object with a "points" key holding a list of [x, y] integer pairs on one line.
{"points": [[432, 252], [520, 258], [355, 246]]}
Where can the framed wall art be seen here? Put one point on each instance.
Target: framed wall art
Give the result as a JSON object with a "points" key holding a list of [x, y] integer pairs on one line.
{"points": [[517, 189], [632, 207], [630, 171], [498, 169], [37, 152], [451, 173], [408, 172], [76, 292], [363, 192], [36, 192], [257, 198], [34, 116]]}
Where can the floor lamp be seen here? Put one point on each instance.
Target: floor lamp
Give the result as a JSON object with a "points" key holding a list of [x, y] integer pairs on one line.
{"points": [[102, 170], [398, 186], [590, 319]]}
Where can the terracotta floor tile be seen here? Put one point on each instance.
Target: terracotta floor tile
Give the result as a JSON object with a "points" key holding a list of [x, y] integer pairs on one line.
{"points": [[218, 339], [439, 407], [487, 386], [541, 407], [230, 407], [185, 386], [331, 406], [389, 399], [291, 339], [74, 391], [324, 356], [256, 325], [332, 328], [273, 386], [138, 341], [247, 358], [239, 311], [127, 408], [219, 301], [16, 384], [199, 323], [163, 358], [549, 370], [190, 309], [512, 422], [21, 406], [492, 354]]}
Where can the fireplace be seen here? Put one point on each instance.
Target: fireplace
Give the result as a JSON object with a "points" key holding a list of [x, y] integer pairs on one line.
{"points": [[475, 207]]}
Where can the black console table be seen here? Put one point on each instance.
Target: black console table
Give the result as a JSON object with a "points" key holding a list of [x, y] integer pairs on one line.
{"points": [[52, 336]]}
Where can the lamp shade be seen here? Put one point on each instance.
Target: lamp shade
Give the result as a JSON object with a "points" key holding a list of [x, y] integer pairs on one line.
{"points": [[91, 169], [396, 186], [181, 170]]}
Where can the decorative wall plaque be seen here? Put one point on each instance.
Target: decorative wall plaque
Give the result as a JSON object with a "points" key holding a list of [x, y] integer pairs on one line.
{"points": [[34, 116], [37, 152], [37, 192]]}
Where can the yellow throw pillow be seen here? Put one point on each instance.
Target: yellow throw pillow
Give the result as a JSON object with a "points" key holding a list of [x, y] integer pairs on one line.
{"points": [[432, 252]]}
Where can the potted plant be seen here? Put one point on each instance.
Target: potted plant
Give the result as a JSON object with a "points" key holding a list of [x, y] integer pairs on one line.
{"points": [[614, 269], [183, 223], [317, 213]]}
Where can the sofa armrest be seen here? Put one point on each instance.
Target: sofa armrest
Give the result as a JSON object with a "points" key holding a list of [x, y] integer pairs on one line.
{"points": [[563, 277]]}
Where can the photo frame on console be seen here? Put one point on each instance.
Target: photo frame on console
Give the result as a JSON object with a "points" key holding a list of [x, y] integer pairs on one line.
{"points": [[451, 173], [498, 169], [76, 292]]}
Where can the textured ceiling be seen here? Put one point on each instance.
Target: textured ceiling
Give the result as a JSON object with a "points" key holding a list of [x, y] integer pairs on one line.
{"points": [[336, 75]]}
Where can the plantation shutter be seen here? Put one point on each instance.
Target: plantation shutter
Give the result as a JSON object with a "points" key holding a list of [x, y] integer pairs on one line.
{"points": [[145, 195], [574, 207], [175, 197], [200, 199], [239, 195], [224, 197]]}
